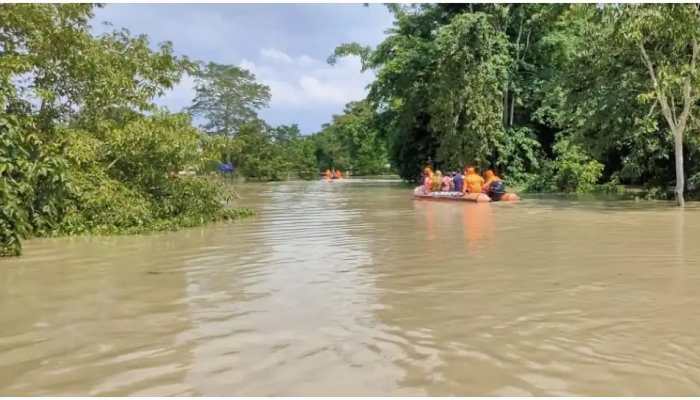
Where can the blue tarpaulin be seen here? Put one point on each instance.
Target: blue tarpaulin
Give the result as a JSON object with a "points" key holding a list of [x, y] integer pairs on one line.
{"points": [[226, 167]]}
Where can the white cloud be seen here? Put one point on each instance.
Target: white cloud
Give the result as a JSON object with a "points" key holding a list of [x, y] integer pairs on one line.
{"points": [[298, 84], [327, 91], [288, 52], [305, 60], [276, 55], [180, 96], [308, 82], [248, 65]]}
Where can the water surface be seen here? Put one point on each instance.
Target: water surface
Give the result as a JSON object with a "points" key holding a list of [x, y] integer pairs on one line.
{"points": [[354, 288]]}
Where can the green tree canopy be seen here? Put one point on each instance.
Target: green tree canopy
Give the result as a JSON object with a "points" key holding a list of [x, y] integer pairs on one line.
{"points": [[227, 97], [353, 142]]}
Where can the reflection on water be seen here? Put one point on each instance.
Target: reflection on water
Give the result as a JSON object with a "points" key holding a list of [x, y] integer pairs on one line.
{"points": [[353, 288]]}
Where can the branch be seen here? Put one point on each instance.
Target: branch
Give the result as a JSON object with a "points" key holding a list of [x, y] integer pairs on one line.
{"points": [[659, 95], [687, 88], [527, 42], [517, 42], [653, 106], [351, 49], [673, 108]]}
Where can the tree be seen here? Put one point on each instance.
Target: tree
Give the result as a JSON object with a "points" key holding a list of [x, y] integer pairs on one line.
{"points": [[353, 141], [466, 107], [439, 77], [667, 40], [285, 133], [633, 69], [227, 97]]}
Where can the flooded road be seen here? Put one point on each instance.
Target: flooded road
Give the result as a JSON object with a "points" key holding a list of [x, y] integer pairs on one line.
{"points": [[354, 288]]}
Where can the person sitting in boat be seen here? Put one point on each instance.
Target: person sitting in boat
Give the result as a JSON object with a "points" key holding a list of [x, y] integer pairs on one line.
{"points": [[446, 183], [328, 174], [427, 180], [458, 182], [472, 181], [493, 185], [338, 174], [437, 181]]}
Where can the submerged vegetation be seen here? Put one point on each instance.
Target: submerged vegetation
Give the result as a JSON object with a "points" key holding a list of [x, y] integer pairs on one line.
{"points": [[83, 149], [553, 97]]}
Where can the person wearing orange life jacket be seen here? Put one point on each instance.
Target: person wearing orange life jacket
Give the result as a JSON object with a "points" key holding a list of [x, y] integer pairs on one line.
{"points": [[472, 181], [338, 174], [437, 181], [490, 176], [427, 180], [493, 186]]}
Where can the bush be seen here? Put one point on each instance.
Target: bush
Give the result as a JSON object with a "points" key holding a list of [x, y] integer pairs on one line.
{"points": [[694, 185], [188, 198], [32, 182], [575, 170], [121, 181], [147, 150], [572, 170], [103, 205], [518, 155]]}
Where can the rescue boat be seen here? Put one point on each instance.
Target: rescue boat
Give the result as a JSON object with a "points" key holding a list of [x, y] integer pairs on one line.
{"points": [[420, 194]]}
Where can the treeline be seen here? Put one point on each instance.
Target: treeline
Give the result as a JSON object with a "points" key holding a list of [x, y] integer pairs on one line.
{"points": [[555, 97], [227, 100]]}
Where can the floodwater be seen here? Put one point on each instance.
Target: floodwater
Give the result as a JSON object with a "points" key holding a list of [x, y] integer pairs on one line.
{"points": [[354, 288]]}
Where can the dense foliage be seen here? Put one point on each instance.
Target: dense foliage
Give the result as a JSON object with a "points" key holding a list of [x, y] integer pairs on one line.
{"points": [[82, 146], [353, 142], [263, 153], [554, 97]]}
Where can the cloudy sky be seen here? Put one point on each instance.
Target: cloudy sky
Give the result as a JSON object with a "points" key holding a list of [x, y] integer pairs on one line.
{"points": [[285, 46]]}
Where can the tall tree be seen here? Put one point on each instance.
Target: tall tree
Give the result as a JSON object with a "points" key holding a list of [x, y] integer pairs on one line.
{"points": [[227, 97], [635, 69], [666, 38], [438, 88]]}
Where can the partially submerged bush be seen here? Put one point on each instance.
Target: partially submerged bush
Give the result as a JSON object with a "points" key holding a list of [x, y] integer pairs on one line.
{"points": [[121, 181], [518, 154], [100, 204], [572, 170], [90, 152], [575, 170], [32, 182]]}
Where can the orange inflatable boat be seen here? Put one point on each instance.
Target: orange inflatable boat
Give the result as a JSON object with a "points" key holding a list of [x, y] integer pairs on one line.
{"points": [[420, 194]]}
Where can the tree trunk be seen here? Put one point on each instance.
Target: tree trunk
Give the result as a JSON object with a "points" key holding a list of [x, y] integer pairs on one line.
{"points": [[680, 177], [505, 105], [512, 110]]}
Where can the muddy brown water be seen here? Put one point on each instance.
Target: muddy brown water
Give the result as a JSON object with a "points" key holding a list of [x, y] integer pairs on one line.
{"points": [[354, 288]]}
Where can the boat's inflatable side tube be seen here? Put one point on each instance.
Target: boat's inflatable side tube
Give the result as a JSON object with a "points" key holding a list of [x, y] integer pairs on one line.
{"points": [[454, 196], [420, 193], [509, 197]]}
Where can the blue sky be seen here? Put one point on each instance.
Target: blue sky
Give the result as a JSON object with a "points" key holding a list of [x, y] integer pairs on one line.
{"points": [[284, 45]]}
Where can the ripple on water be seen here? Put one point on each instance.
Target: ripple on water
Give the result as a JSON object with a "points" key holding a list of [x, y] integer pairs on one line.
{"points": [[353, 288]]}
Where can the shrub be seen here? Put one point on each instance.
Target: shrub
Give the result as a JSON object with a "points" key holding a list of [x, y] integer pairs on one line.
{"points": [[575, 171], [518, 155], [32, 182], [101, 204]]}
